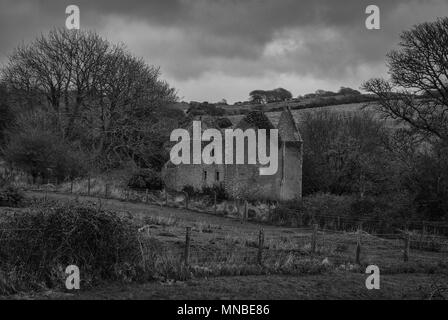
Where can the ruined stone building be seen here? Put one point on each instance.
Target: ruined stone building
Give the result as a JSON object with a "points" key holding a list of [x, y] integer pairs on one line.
{"points": [[243, 181]]}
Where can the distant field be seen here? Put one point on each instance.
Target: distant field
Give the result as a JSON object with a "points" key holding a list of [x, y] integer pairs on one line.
{"points": [[299, 114]]}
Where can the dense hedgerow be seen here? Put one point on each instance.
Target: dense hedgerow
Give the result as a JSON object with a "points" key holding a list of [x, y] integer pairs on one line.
{"points": [[381, 214], [38, 245], [145, 179], [206, 191], [10, 197]]}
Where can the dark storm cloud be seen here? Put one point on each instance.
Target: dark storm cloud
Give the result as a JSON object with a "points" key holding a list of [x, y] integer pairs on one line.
{"points": [[193, 39]]}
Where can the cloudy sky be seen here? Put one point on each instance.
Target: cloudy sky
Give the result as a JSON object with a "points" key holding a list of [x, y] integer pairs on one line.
{"points": [[214, 49]]}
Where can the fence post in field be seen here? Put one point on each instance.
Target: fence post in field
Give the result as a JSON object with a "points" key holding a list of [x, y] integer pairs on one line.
{"points": [[71, 186], [88, 186], [214, 203], [186, 200], [407, 244], [246, 208], [422, 234], [187, 246], [358, 246], [260, 247], [269, 209], [314, 238]]}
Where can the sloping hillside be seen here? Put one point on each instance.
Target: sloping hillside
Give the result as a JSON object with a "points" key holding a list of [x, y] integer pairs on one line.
{"points": [[299, 114]]}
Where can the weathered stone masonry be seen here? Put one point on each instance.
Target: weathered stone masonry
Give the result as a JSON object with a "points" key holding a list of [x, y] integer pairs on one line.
{"points": [[242, 181]]}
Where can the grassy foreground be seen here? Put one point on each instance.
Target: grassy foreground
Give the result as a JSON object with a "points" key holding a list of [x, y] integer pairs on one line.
{"points": [[223, 261]]}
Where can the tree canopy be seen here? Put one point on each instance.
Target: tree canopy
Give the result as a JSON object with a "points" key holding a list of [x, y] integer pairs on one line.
{"points": [[98, 96], [417, 92], [266, 96]]}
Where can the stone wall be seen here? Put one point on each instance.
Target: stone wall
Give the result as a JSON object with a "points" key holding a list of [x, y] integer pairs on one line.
{"points": [[195, 175]]}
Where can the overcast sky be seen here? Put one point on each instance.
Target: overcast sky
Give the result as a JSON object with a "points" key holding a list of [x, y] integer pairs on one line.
{"points": [[214, 49]]}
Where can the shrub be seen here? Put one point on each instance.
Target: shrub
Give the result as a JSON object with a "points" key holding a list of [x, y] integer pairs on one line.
{"points": [[223, 123], [219, 190], [345, 154], [145, 179], [38, 245], [326, 204], [286, 213], [190, 190], [11, 197], [206, 191], [382, 214], [34, 147], [305, 212]]}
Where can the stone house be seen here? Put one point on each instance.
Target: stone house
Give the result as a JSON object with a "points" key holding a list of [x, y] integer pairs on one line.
{"points": [[243, 181]]}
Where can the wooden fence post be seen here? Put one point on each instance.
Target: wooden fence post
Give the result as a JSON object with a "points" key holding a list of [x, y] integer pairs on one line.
{"points": [[407, 244], [187, 246], [314, 238], [186, 200], [71, 186], [424, 232], [214, 203], [245, 211], [358, 246], [260, 247], [88, 186]]}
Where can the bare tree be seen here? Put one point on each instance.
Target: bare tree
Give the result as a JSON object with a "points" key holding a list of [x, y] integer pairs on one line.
{"points": [[60, 69], [100, 94], [417, 91]]}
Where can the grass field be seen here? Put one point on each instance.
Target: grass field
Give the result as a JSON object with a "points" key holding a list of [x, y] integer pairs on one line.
{"points": [[299, 113], [224, 261]]}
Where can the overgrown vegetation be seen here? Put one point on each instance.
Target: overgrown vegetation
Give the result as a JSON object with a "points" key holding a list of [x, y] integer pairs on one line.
{"points": [[39, 244], [379, 214], [82, 104], [391, 171], [207, 191], [11, 196], [145, 179]]}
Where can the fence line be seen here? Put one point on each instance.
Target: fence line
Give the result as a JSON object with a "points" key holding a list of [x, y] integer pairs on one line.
{"points": [[358, 248], [423, 238]]}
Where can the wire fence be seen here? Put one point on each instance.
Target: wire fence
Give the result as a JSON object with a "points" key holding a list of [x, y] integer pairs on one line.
{"points": [[266, 248], [301, 250], [342, 239], [243, 209]]}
